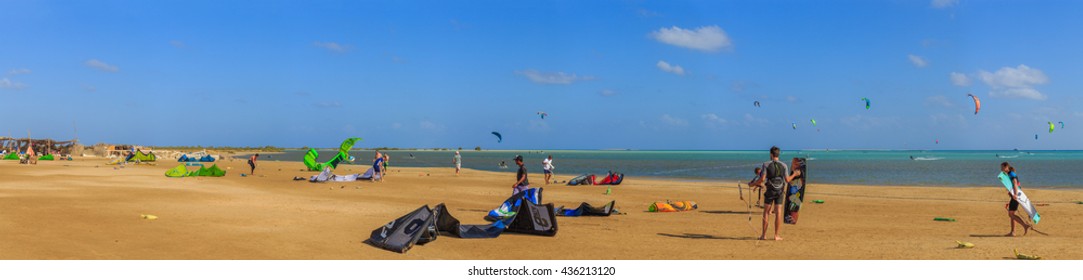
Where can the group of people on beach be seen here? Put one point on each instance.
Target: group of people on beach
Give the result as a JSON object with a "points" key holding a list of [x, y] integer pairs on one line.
{"points": [[774, 178]]}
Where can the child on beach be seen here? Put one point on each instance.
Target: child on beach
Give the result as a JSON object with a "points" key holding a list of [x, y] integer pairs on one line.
{"points": [[378, 167], [755, 185], [775, 177], [1013, 204], [521, 182]]}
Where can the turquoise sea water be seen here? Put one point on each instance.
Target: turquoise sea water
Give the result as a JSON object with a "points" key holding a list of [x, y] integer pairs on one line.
{"points": [[1042, 169]]}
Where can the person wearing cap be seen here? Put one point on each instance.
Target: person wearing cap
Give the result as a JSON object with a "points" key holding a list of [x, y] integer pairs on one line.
{"points": [[458, 161], [521, 182]]}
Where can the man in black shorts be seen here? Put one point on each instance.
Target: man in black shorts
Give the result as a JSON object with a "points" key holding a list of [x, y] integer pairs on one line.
{"points": [[775, 177]]}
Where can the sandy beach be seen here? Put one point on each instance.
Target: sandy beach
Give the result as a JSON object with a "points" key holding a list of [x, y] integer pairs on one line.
{"points": [[85, 209]]}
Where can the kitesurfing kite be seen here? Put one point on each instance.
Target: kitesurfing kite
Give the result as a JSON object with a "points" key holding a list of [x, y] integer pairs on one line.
{"points": [[977, 103], [757, 104], [868, 103], [938, 141], [499, 138], [1061, 125], [813, 122], [1035, 136], [794, 124], [543, 114], [1051, 127]]}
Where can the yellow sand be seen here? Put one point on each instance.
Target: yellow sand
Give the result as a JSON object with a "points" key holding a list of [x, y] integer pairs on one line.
{"points": [[85, 209]]}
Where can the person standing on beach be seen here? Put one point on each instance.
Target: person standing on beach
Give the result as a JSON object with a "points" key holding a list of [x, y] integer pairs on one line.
{"points": [[458, 161], [547, 168], [252, 163], [521, 182], [378, 167], [1013, 204], [775, 177]]}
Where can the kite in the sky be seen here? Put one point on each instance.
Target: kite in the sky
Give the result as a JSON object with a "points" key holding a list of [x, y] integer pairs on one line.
{"points": [[868, 103], [938, 141], [794, 124], [977, 103], [499, 138], [1035, 136], [757, 104], [543, 114], [1061, 125], [1051, 127], [813, 122]]}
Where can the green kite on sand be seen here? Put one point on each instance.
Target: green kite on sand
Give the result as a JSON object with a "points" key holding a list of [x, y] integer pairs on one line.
{"points": [[182, 171], [343, 154]]}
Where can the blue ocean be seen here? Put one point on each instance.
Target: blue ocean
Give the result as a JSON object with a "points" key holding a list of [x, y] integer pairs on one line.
{"points": [[1036, 169]]}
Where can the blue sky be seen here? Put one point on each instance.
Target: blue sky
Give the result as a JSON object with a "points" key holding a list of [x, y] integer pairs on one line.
{"points": [[611, 74]]}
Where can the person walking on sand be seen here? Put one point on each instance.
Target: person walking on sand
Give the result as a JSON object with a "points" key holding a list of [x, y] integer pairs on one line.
{"points": [[1013, 204], [458, 161], [547, 168], [775, 177], [521, 182]]}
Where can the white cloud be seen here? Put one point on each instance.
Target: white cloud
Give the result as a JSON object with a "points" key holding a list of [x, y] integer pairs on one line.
{"points": [[918, 61], [5, 83], [939, 100], [706, 38], [791, 99], [1015, 82], [430, 126], [941, 4], [98, 64], [959, 79], [20, 71], [396, 125], [607, 92], [556, 78], [673, 121], [332, 46], [711, 118], [675, 69]]}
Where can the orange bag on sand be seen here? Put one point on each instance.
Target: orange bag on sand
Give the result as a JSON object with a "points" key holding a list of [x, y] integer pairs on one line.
{"points": [[673, 206]]}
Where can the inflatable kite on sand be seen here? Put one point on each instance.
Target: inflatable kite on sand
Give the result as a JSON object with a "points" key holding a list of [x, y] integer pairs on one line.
{"points": [[673, 206], [343, 155]]}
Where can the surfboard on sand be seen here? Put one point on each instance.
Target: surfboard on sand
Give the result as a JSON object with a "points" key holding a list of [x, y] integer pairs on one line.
{"points": [[1021, 197], [795, 195]]}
